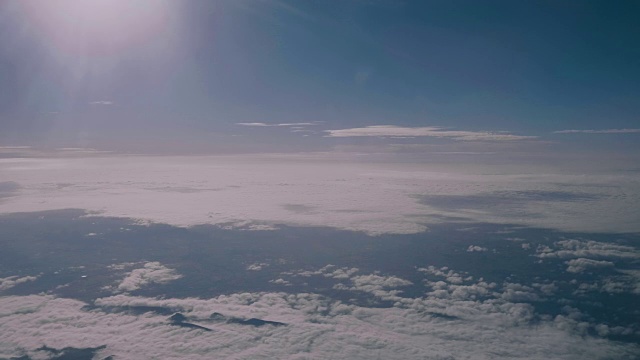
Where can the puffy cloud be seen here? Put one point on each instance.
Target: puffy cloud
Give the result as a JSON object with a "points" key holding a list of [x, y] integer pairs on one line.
{"points": [[634, 278], [625, 281], [342, 273], [151, 273], [11, 281], [573, 248], [329, 271], [317, 327], [257, 266], [430, 131], [280, 281], [459, 316], [518, 293], [476, 248], [383, 287], [581, 264]]}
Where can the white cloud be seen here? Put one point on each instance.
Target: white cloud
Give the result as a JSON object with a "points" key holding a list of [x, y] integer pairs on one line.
{"points": [[101, 102], [433, 326], [378, 282], [602, 131], [573, 248], [299, 124], [252, 124], [342, 273], [581, 264], [383, 287], [121, 266], [280, 281], [150, 273], [11, 281], [258, 193], [632, 278], [430, 131], [518, 293], [476, 248], [257, 266]]}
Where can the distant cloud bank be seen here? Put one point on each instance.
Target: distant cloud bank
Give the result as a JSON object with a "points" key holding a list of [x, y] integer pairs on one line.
{"points": [[429, 131], [603, 131], [376, 198], [261, 124]]}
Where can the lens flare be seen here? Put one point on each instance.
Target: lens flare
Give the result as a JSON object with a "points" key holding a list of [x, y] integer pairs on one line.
{"points": [[98, 27]]}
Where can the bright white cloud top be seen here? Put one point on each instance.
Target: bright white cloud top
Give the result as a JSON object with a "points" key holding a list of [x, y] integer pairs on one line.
{"points": [[257, 192], [151, 273]]}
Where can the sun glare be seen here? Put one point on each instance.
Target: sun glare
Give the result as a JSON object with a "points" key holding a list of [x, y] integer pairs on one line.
{"points": [[98, 27]]}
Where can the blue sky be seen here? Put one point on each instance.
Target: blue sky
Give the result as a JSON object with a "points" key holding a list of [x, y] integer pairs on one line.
{"points": [[144, 75]]}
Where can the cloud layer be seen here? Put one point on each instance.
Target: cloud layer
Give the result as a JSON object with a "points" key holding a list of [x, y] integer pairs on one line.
{"points": [[259, 192], [459, 317]]}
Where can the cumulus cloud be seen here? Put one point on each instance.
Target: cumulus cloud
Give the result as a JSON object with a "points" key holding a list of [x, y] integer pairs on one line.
{"points": [[257, 266], [458, 316], [476, 248], [341, 273], [382, 287], [602, 131], [280, 281], [151, 273], [588, 255], [581, 264], [476, 320], [518, 293], [429, 131], [573, 248], [328, 271], [11, 281]]}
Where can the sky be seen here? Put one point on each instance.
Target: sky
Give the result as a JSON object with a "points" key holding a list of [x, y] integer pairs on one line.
{"points": [[203, 76]]}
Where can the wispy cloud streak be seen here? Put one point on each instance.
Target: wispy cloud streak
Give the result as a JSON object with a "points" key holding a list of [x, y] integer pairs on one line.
{"points": [[261, 124], [603, 131], [428, 131]]}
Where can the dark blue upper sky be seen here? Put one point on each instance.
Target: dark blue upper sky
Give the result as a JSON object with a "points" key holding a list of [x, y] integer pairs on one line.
{"points": [[101, 73]]}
